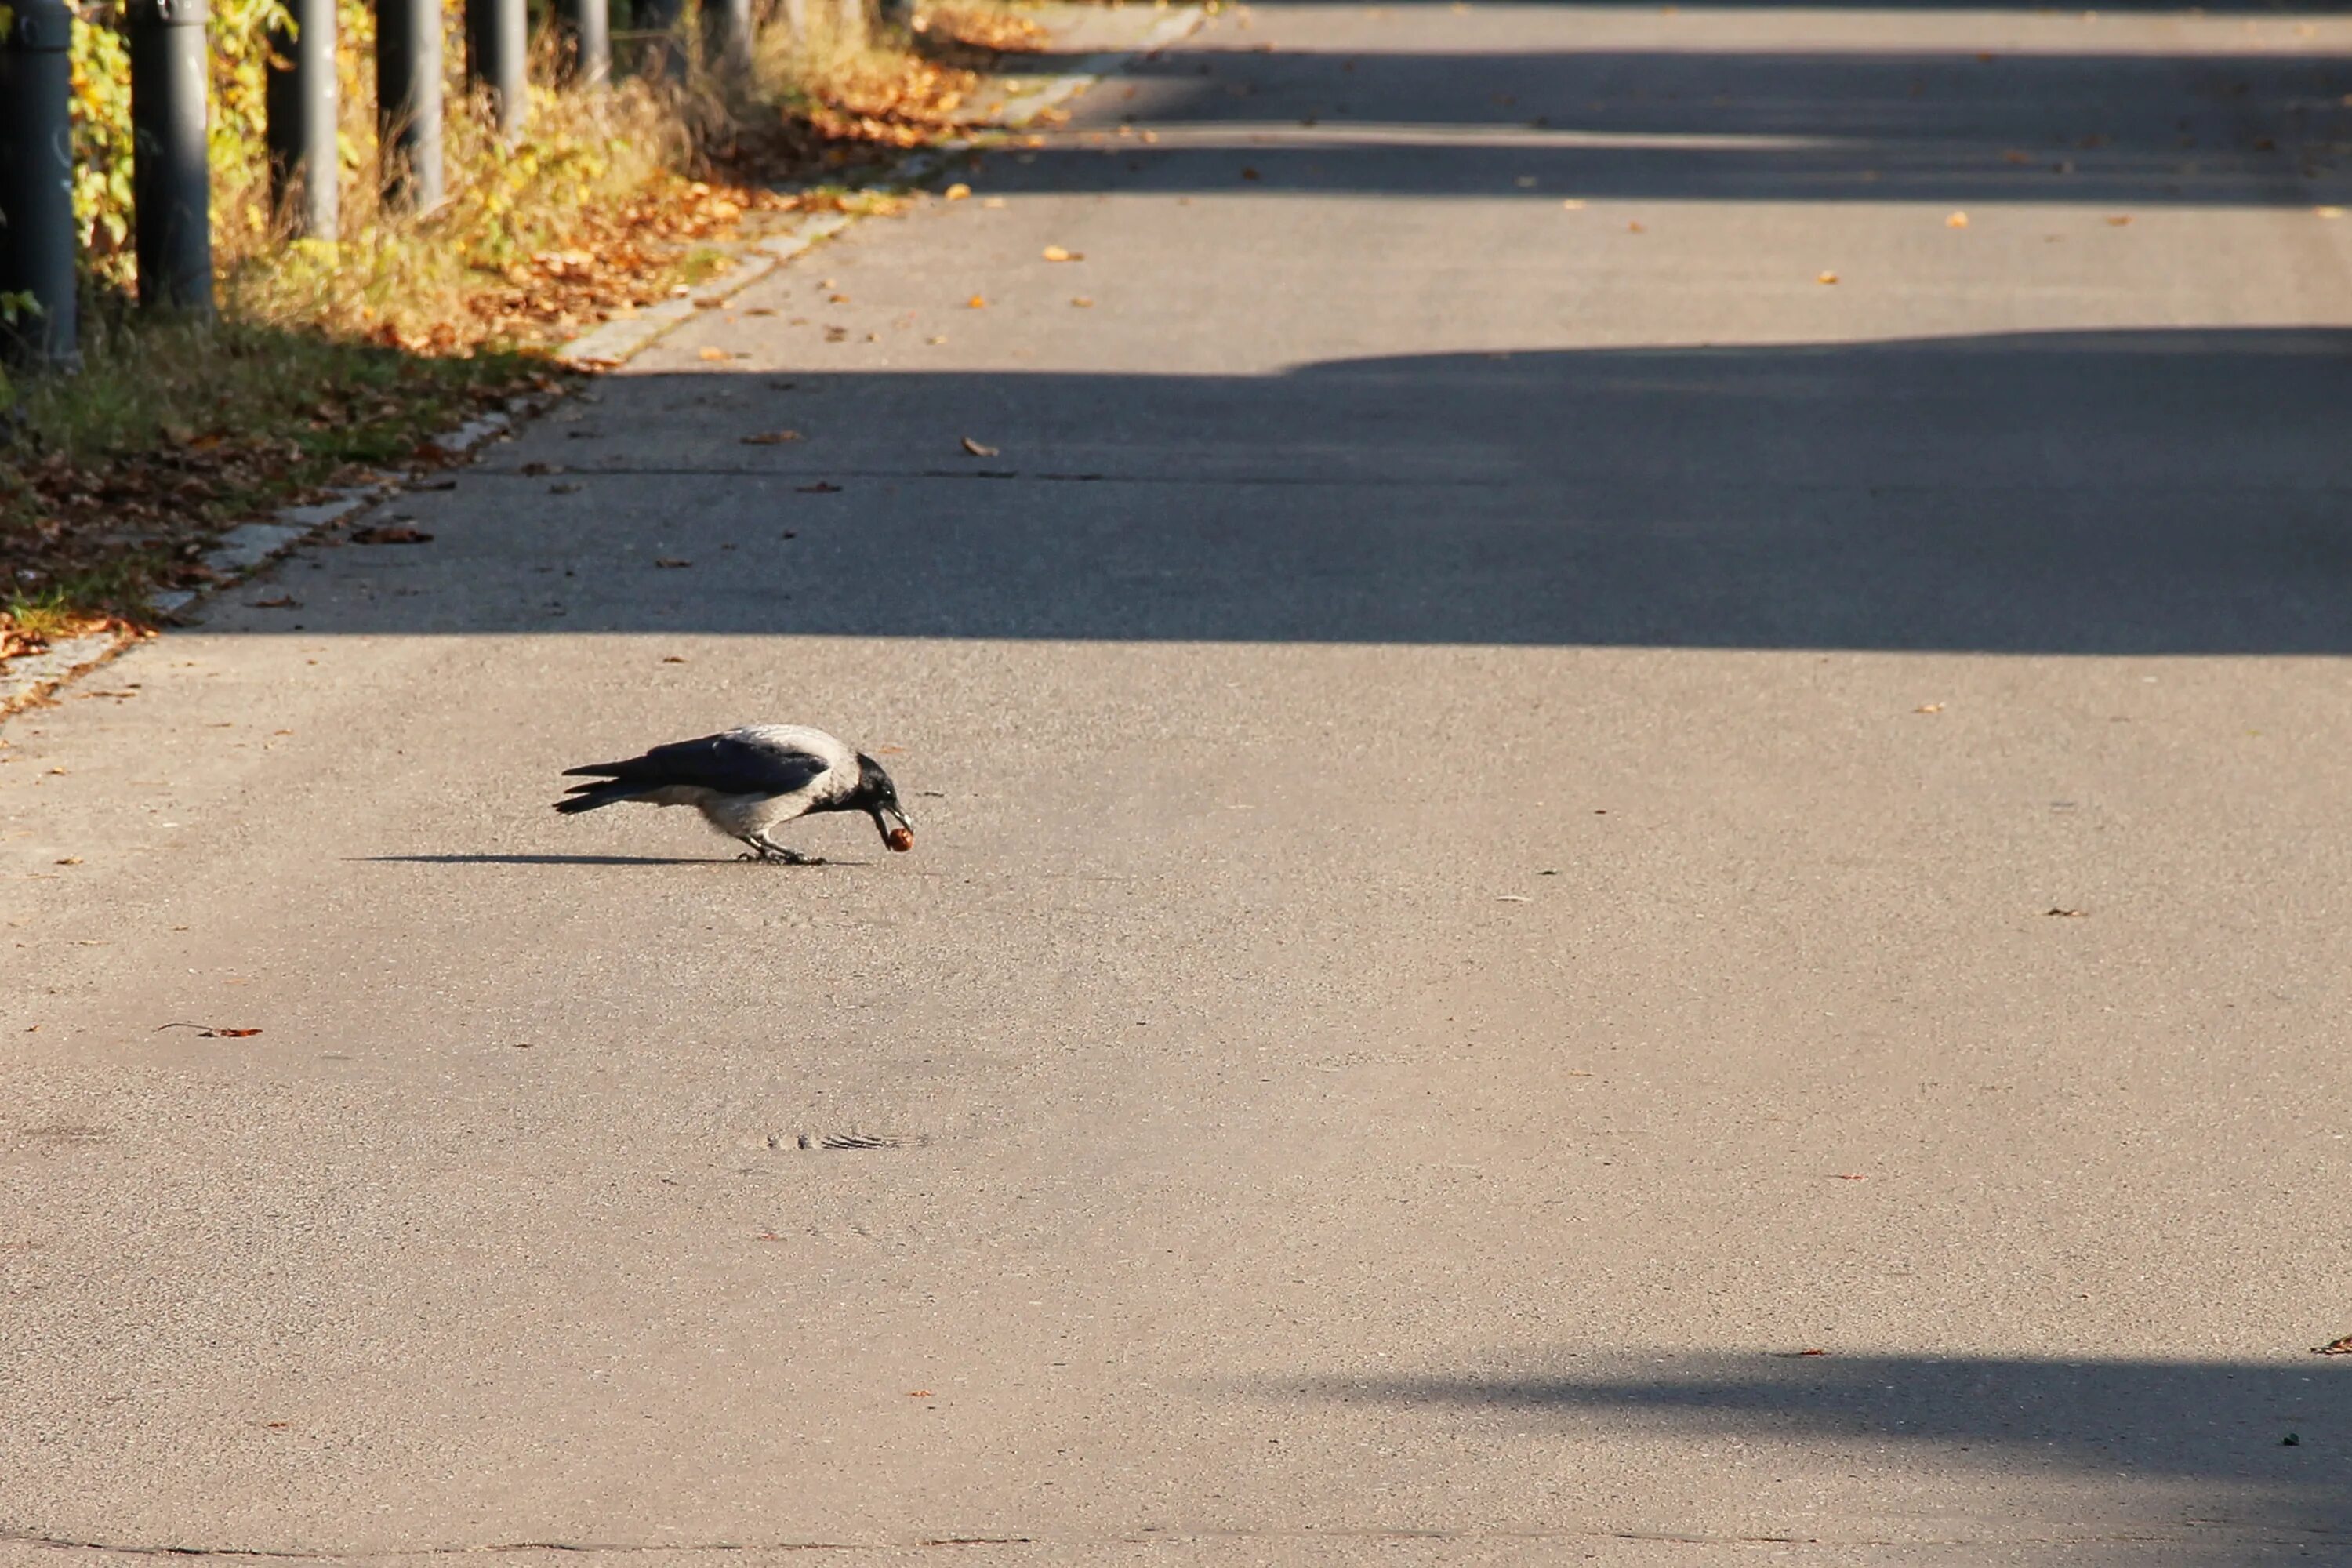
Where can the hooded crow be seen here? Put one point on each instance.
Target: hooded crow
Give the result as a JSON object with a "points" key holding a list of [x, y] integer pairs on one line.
{"points": [[749, 780]]}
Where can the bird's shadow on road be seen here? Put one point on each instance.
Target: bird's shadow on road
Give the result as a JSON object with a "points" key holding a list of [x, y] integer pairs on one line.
{"points": [[585, 860]]}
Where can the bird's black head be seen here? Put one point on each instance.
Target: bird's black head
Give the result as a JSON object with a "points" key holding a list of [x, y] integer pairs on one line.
{"points": [[877, 797]]}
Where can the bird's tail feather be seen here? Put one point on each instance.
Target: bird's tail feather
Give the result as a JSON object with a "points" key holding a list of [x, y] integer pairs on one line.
{"points": [[588, 796]]}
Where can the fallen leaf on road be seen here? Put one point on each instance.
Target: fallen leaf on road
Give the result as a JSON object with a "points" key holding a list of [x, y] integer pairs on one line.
{"points": [[978, 449], [2327, 212], [283, 602], [1791, 1355], [2334, 1347], [671, 563], [992, 201], [2066, 914], [2013, 156], [1634, 229], [1573, 204], [1512, 897], [715, 354], [919, 1393], [210, 1031], [2119, 220], [957, 192], [1847, 1176], [1249, 173], [771, 438], [1957, 220], [1825, 278], [1055, 253], [538, 471], [566, 489], [391, 533], [977, 303], [673, 659], [822, 488], [1928, 707], [70, 860], [935, 340], [1082, 302]]}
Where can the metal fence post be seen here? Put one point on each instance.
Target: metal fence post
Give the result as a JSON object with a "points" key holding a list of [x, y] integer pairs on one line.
{"points": [[37, 217], [727, 35], [170, 178], [497, 41], [305, 165], [586, 50], [408, 101]]}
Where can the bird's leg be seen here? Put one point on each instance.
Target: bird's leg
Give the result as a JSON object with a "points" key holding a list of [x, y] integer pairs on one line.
{"points": [[773, 854]]}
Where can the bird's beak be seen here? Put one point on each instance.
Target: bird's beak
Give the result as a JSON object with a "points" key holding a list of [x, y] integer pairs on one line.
{"points": [[896, 831]]}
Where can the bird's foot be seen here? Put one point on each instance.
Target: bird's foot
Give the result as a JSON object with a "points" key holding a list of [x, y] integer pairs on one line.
{"points": [[777, 855]]}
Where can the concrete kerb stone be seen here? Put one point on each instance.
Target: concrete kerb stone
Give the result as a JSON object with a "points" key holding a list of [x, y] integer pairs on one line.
{"points": [[246, 549]]}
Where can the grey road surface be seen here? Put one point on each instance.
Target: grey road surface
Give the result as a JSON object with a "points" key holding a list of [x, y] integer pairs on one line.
{"points": [[1632, 777]]}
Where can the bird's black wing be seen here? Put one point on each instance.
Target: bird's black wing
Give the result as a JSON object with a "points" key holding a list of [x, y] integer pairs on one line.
{"points": [[717, 763]]}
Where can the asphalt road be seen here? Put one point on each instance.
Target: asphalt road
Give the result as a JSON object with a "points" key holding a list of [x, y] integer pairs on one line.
{"points": [[1580, 895]]}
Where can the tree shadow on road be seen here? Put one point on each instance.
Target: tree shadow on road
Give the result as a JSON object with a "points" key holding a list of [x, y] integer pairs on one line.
{"points": [[1723, 122], [2196, 1449], [2121, 492]]}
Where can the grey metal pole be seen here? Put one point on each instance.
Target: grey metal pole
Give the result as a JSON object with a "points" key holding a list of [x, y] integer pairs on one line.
{"points": [[408, 101], [37, 217], [727, 35], [496, 44], [170, 178], [304, 163], [586, 49]]}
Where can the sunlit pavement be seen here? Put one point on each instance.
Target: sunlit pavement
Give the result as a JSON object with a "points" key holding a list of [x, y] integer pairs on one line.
{"points": [[1630, 780]]}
